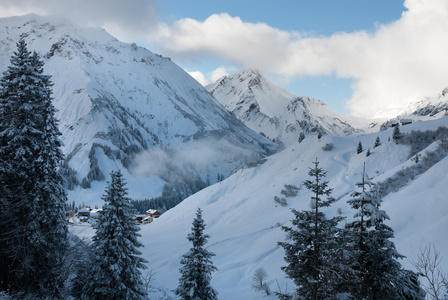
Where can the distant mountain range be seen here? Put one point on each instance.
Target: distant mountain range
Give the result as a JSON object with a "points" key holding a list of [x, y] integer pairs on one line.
{"points": [[281, 116]]}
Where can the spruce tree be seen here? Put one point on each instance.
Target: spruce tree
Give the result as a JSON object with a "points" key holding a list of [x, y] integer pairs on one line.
{"points": [[312, 255], [115, 271], [33, 228], [396, 134], [378, 273], [198, 267], [359, 149], [377, 142]]}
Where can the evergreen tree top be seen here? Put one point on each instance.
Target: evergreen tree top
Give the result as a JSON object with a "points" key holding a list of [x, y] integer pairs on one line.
{"points": [[197, 236], [318, 186]]}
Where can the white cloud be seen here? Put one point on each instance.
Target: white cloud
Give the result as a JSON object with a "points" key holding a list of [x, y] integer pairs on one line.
{"points": [[224, 37], [199, 76], [210, 77], [398, 62]]}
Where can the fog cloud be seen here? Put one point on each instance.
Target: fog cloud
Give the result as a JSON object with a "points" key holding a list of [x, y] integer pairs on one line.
{"points": [[200, 156]]}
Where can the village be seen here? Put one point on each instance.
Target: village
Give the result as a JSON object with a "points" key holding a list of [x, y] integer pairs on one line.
{"points": [[87, 216]]}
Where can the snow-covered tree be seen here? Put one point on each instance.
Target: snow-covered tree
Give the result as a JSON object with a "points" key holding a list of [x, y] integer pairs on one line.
{"points": [[377, 142], [115, 271], [396, 134], [33, 230], [301, 137], [379, 275], [359, 149], [196, 273], [312, 254]]}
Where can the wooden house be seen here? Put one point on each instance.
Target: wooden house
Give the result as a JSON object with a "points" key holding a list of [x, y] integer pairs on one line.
{"points": [[153, 213]]}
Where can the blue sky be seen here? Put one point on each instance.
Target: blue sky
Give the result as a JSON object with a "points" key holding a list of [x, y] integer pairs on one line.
{"points": [[367, 58], [321, 17]]}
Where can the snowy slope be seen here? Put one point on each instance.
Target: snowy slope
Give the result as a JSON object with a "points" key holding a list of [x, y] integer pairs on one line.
{"points": [[244, 221], [428, 108], [264, 107], [116, 100]]}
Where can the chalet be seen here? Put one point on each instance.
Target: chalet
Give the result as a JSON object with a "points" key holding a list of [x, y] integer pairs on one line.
{"points": [[84, 212], [401, 122], [153, 213], [405, 121], [144, 219], [95, 213], [139, 218]]}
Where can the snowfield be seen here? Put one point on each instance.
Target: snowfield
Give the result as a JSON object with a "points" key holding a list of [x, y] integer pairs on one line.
{"points": [[244, 222]]}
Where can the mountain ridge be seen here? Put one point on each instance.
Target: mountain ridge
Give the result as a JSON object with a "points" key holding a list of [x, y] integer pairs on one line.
{"points": [[280, 115]]}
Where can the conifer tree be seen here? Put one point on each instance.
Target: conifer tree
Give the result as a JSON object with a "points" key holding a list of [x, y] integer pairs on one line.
{"points": [[115, 273], [314, 246], [33, 230], [359, 149], [196, 273], [301, 137], [379, 275], [377, 142], [396, 134]]}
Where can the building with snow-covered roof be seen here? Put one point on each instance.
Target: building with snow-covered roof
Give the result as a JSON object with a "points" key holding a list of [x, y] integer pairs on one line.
{"points": [[84, 212], [153, 213]]}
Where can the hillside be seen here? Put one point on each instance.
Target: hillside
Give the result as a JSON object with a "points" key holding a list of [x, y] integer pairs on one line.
{"points": [[120, 104], [243, 220], [267, 108]]}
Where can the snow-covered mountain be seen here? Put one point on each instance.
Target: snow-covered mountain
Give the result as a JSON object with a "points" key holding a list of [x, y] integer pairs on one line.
{"points": [[267, 108], [428, 108], [117, 100], [244, 222]]}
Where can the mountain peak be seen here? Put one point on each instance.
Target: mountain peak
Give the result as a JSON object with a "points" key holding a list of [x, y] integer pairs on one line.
{"points": [[250, 77], [248, 72], [265, 107]]}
